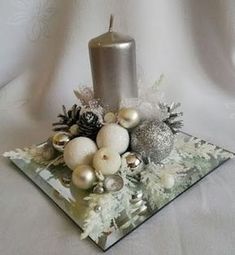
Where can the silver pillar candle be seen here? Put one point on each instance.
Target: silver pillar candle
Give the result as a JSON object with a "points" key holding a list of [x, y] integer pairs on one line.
{"points": [[113, 66]]}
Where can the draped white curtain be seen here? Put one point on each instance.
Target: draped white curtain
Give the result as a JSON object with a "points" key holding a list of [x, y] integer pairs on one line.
{"points": [[44, 56]]}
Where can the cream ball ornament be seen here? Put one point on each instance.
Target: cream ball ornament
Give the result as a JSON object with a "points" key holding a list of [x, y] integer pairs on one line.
{"points": [[107, 161], [167, 180], [113, 136], [83, 177], [79, 151], [128, 117]]}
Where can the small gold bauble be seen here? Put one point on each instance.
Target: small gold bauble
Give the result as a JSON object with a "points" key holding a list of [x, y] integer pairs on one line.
{"points": [[60, 139], [74, 129], [65, 179], [133, 160], [128, 117], [48, 152], [110, 117], [98, 189], [83, 176]]}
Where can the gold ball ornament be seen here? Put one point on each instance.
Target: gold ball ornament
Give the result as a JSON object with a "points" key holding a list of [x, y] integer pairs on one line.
{"points": [[48, 152], [128, 117], [110, 117], [65, 179], [83, 177], [74, 129], [98, 189], [133, 160], [60, 139]]}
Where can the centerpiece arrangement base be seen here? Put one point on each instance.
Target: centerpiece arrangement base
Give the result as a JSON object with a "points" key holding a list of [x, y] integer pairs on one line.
{"points": [[193, 166]]}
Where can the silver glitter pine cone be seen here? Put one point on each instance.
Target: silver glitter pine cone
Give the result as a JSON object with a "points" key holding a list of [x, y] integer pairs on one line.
{"points": [[152, 139]]}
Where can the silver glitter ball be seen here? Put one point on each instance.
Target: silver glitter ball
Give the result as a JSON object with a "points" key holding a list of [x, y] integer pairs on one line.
{"points": [[152, 139]]}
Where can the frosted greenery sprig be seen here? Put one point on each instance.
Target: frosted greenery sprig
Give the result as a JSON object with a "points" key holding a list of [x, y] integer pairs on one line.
{"points": [[24, 154], [104, 209], [153, 189], [34, 153], [195, 147]]}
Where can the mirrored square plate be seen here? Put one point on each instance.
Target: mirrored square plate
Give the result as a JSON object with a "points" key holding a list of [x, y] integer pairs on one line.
{"points": [[70, 199]]}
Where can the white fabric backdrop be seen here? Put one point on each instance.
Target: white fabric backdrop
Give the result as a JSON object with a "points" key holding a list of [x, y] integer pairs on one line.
{"points": [[44, 56]]}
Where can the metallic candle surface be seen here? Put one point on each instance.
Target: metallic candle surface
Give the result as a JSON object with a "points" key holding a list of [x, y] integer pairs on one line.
{"points": [[113, 65]]}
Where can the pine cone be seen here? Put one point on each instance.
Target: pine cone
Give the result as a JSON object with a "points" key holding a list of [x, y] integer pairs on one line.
{"points": [[67, 119], [171, 117], [89, 125]]}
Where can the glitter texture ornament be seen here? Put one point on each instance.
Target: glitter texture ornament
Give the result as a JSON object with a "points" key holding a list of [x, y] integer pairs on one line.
{"points": [[152, 139]]}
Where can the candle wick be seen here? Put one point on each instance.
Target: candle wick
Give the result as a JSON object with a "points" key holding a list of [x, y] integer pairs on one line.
{"points": [[111, 23]]}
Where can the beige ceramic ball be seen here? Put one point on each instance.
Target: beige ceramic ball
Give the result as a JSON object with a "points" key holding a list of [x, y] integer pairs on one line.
{"points": [[113, 136], [79, 151]]}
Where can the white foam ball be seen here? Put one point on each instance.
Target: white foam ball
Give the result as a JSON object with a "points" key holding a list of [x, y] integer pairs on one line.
{"points": [[113, 136], [79, 151], [107, 161]]}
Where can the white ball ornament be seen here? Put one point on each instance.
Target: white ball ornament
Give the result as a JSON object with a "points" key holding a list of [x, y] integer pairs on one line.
{"points": [[79, 151], [167, 180], [83, 176], [114, 137], [107, 161]]}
